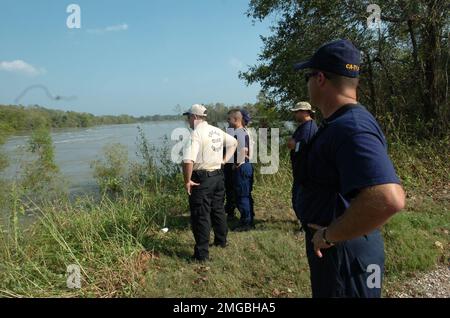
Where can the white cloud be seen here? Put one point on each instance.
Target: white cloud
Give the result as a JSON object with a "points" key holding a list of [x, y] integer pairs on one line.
{"points": [[112, 28], [21, 67]]}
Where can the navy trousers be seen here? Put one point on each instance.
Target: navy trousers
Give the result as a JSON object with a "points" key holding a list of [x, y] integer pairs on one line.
{"points": [[243, 186], [296, 192], [350, 269], [230, 203]]}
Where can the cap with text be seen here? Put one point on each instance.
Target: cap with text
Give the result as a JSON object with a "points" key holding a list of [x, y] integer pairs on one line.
{"points": [[340, 57]]}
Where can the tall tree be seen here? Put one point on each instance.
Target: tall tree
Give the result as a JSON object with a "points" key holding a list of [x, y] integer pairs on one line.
{"points": [[405, 71]]}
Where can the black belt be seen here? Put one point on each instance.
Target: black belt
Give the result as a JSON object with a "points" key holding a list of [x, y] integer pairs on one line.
{"points": [[206, 173]]}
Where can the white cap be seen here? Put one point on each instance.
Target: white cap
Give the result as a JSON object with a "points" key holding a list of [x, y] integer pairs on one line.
{"points": [[302, 106], [196, 109]]}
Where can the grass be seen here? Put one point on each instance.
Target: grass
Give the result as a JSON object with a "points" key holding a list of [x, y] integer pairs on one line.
{"points": [[122, 252]]}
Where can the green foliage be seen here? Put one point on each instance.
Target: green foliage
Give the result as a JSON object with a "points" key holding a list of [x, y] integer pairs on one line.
{"points": [[41, 174], [153, 171], [411, 50], [20, 118], [5, 131], [111, 172], [411, 237], [122, 252], [422, 164]]}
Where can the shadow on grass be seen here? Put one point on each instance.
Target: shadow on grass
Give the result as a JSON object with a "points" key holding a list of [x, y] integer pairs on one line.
{"points": [[179, 222], [276, 225]]}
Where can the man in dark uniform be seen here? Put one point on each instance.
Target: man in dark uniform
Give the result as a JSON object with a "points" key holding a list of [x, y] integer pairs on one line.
{"points": [[203, 178], [230, 189], [230, 200], [350, 187], [242, 169], [306, 130]]}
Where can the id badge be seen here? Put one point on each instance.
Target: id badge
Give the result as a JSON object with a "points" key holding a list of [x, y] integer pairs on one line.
{"points": [[297, 147]]}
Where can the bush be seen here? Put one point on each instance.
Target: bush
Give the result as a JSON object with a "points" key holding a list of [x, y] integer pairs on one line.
{"points": [[111, 173]]}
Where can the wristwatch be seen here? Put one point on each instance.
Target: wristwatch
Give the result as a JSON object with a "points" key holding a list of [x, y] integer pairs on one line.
{"points": [[324, 237]]}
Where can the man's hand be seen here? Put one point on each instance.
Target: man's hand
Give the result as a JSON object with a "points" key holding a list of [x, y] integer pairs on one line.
{"points": [[291, 144], [188, 186], [318, 241]]}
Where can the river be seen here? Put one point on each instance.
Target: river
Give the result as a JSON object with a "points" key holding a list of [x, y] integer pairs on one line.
{"points": [[76, 149]]}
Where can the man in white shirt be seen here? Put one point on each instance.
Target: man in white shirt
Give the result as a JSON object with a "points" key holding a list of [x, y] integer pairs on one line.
{"points": [[204, 181]]}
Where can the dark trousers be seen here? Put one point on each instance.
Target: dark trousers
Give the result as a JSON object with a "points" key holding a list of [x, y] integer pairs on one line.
{"points": [[230, 203], [296, 192], [347, 269], [206, 205], [243, 187]]}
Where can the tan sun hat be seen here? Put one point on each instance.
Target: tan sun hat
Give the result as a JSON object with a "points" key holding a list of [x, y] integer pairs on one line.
{"points": [[302, 106]]}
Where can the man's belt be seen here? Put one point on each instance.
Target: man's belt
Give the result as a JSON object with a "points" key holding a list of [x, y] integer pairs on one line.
{"points": [[207, 174]]}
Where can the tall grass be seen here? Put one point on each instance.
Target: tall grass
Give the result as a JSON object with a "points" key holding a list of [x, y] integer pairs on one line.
{"points": [[118, 244]]}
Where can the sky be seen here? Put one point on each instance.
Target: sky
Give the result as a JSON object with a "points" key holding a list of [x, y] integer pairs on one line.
{"points": [[136, 57]]}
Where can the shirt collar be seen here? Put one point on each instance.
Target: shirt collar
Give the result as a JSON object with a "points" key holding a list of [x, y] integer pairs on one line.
{"points": [[341, 111]]}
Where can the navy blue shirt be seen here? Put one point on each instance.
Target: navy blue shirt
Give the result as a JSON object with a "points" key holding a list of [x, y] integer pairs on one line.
{"points": [[302, 136], [241, 145], [348, 154], [243, 138]]}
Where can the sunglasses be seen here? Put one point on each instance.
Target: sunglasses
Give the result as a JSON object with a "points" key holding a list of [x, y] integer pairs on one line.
{"points": [[312, 74]]}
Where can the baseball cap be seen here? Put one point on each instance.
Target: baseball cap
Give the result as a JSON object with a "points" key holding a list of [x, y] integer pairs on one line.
{"points": [[196, 109], [246, 116], [302, 106], [340, 57]]}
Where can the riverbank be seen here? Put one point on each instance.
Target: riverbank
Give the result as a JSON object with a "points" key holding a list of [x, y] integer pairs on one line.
{"points": [[76, 149], [18, 119], [122, 252]]}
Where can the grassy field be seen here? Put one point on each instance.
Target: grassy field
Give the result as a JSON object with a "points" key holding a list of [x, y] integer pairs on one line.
{"points": [[122, 252]]}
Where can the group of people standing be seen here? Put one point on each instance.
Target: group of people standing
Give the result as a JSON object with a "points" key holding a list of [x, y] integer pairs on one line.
{"points": [[345, 186], [216, 164]]}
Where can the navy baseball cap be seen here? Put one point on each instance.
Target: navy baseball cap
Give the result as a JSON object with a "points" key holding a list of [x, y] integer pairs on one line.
{"points": [[246, 116], [340, 57]]}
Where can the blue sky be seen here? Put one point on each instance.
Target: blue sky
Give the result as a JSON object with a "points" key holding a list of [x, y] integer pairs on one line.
{"points": [[137, 57]]}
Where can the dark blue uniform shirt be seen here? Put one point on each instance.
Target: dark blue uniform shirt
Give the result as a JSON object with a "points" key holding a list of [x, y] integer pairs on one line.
{"points": [[246, 139], [349, 153], [302, 136]]}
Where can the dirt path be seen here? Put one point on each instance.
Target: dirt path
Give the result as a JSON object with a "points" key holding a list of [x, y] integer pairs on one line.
{"points": [[434, 284]]}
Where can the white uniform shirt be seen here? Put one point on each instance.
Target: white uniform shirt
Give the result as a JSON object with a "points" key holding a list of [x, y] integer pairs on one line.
{"points": [[205, 147]]}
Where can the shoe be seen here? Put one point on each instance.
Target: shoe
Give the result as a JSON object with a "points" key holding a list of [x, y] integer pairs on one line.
{"points": [[221, 245]]}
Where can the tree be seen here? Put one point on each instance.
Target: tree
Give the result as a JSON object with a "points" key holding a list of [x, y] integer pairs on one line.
{"points": [[410, 50]]}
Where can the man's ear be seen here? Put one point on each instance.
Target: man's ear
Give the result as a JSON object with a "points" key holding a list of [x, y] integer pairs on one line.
{"points": [[321, 79]]}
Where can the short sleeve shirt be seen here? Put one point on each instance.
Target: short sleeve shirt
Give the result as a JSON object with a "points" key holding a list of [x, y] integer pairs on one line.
{"points": [[205, 147], [302, 136], [348, 154]]}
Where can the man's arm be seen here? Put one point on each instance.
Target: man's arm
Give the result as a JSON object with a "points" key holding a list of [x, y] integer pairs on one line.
{"points": [[291, 143], [243, 149], [371, 209], [230, 146], [188, 167], [190, 152]]}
